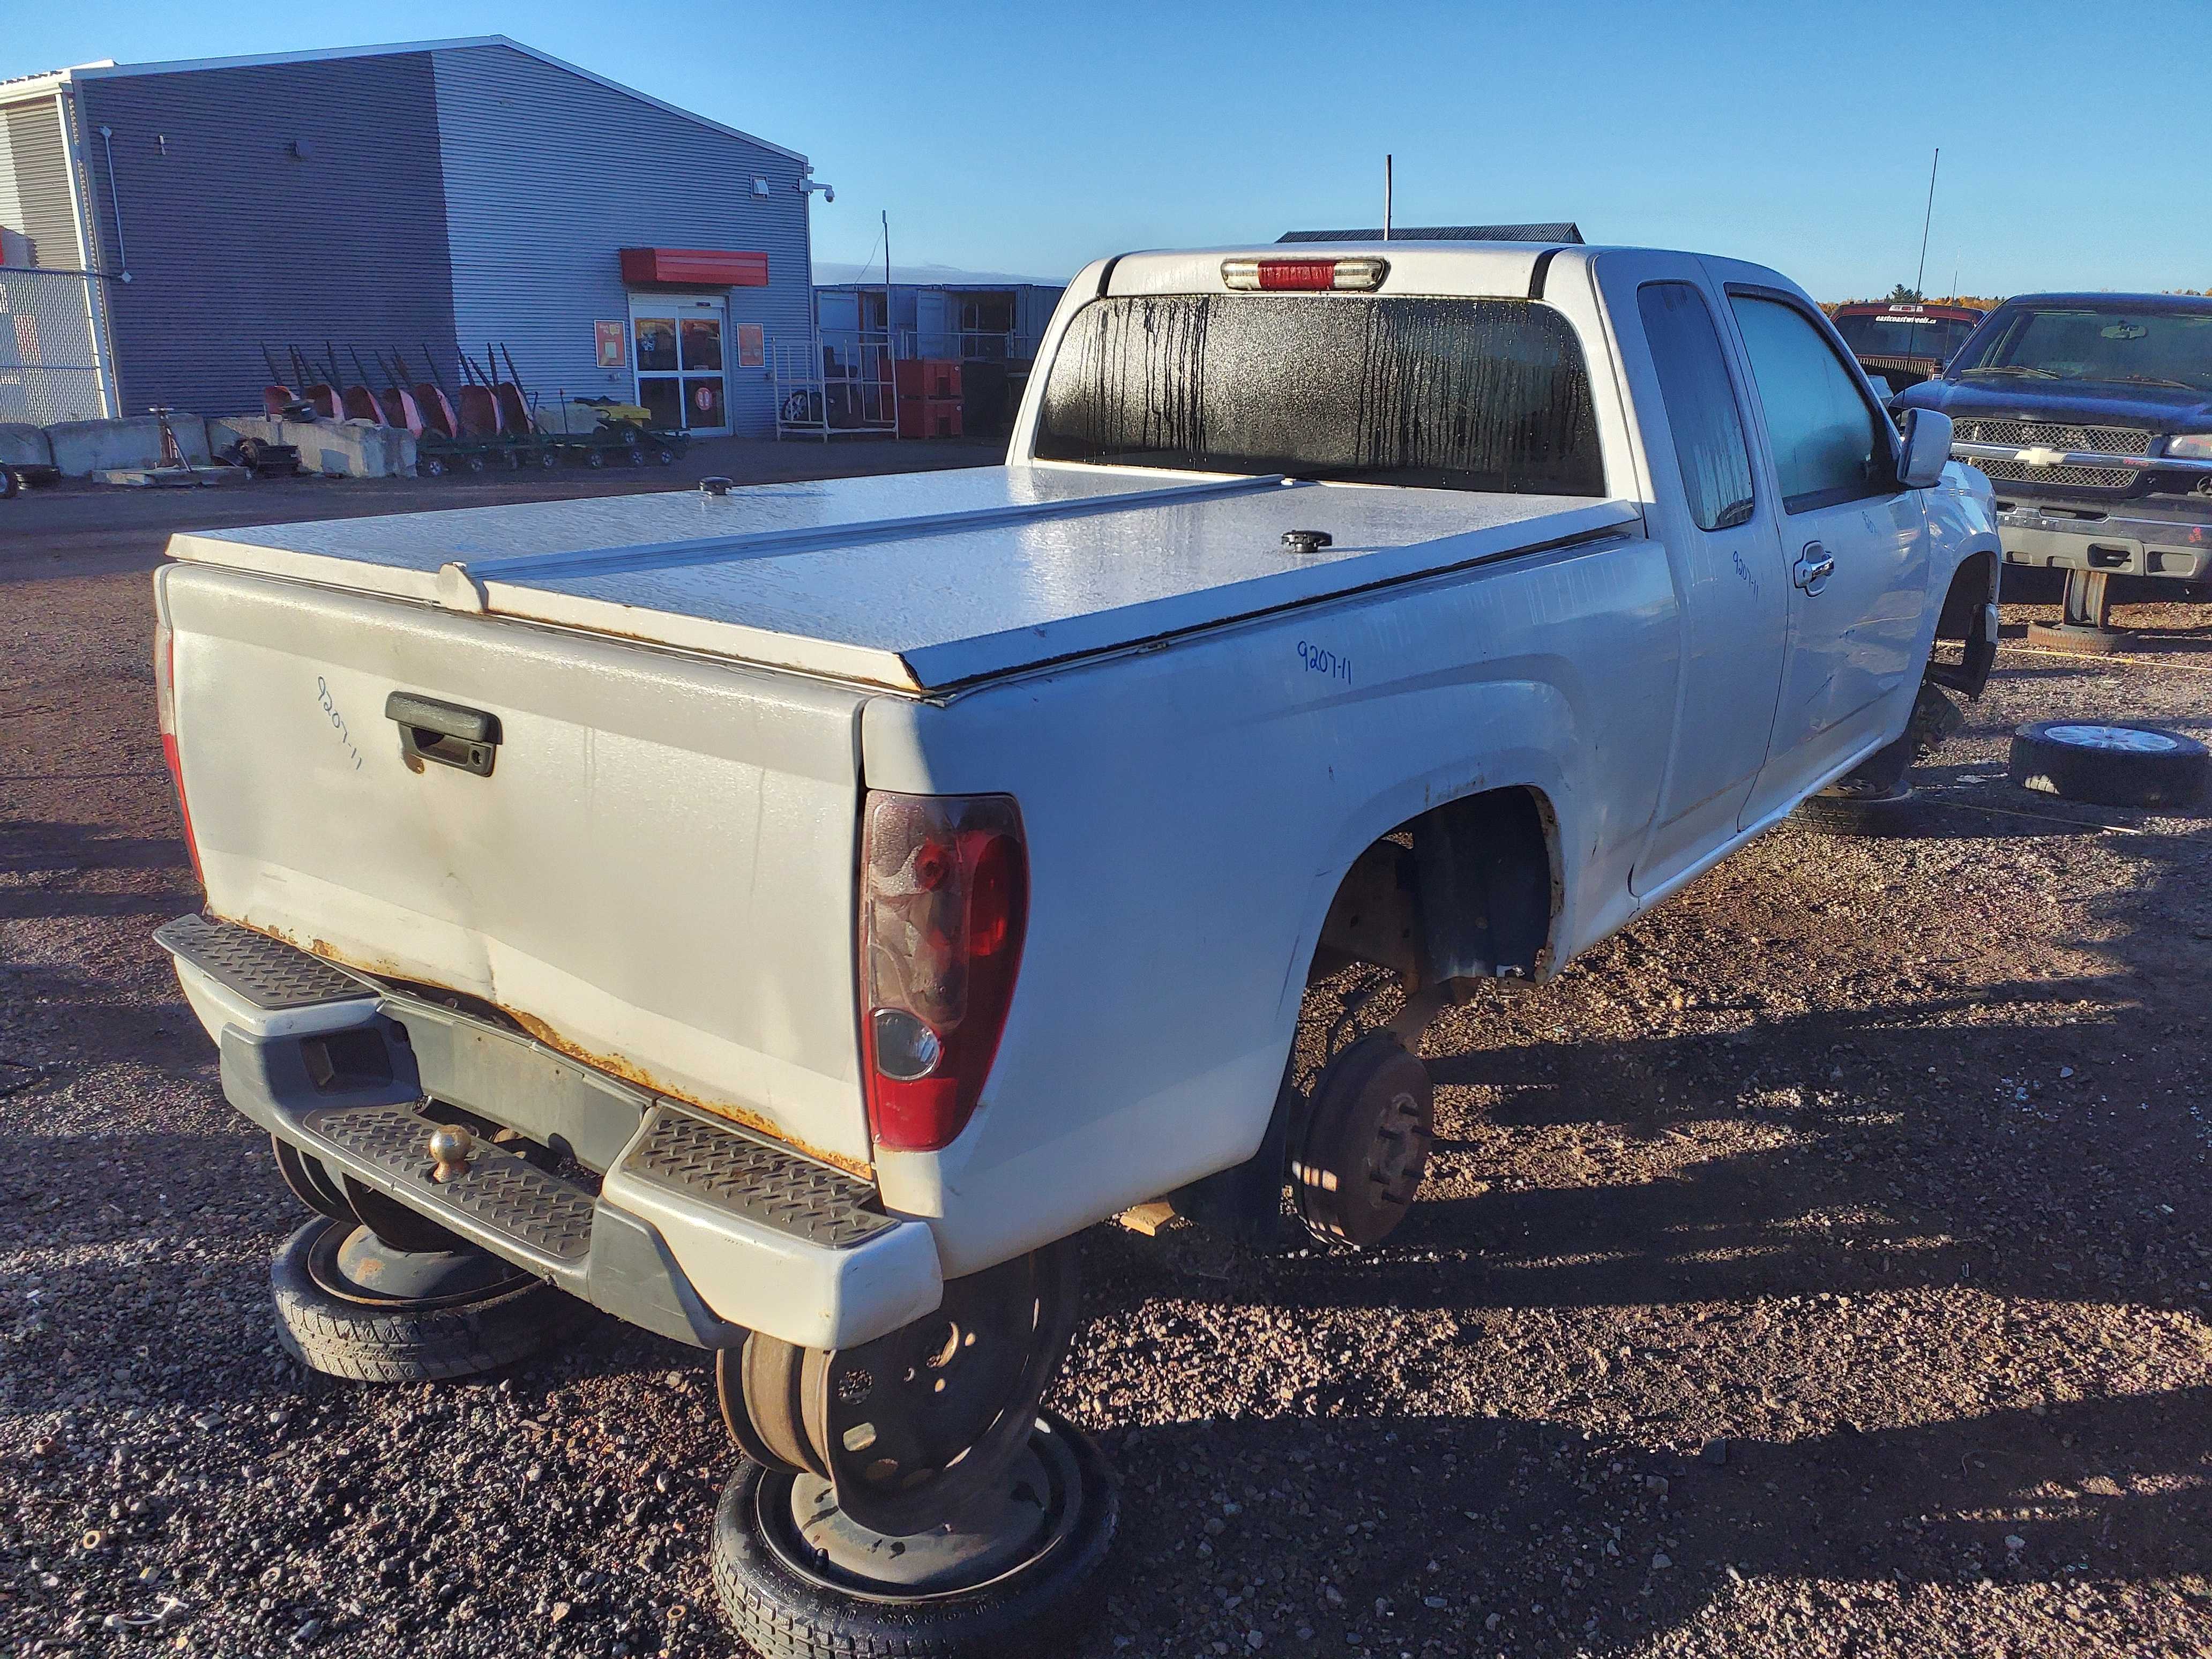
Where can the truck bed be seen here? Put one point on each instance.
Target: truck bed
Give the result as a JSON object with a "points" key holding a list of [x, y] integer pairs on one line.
{"points": [[655, 874], [917, 583]]}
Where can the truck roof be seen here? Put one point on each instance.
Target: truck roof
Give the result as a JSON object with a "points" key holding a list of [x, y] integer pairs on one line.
{"points": [[2198, 302], [918, 581], [1478, 269]]}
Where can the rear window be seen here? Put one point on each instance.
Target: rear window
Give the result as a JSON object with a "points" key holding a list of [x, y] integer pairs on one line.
{"points": [[1903, 337], [1487, 395]]}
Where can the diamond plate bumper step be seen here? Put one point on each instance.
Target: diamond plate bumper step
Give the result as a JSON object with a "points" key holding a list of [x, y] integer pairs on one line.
{"points": [[270, 974], [701, 1229], [540, 1215], [755, 1178]]}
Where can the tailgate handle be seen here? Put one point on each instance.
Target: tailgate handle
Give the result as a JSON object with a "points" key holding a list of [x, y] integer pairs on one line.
{"points": [[445, 733]]}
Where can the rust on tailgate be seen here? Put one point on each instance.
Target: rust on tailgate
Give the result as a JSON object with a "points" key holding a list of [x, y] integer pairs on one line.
{"points": [[616, 1065], [613, 1064]]}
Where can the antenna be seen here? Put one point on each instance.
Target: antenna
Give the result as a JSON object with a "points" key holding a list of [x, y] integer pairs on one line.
{"points": [[890, 335], [1928, 219], [1386, 198]]}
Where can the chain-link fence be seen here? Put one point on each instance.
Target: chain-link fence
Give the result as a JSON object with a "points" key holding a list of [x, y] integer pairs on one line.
{"points": [[48, 360]]}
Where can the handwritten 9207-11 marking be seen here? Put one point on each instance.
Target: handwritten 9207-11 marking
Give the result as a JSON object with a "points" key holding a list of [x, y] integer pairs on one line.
{"points": [[337, 721], [1319, 661]]}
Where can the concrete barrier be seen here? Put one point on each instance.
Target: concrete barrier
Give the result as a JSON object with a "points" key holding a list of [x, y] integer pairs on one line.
{"points": [[81, 448], [24, 445], [355, 448]]}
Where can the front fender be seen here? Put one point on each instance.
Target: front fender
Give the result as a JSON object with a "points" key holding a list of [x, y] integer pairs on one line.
{"points": [[1966, 568]]}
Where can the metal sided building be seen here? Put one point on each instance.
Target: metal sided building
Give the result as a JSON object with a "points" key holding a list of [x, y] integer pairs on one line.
{"points": [[965, 322], [992, 328], [161, 223]]}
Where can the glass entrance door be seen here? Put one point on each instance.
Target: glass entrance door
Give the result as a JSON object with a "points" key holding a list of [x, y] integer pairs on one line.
{"points": [[678, 341]]}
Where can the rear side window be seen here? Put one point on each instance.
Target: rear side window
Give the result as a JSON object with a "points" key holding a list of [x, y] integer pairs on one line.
{"points": [[1701, 408], [1440, 393], [1827, 447]]}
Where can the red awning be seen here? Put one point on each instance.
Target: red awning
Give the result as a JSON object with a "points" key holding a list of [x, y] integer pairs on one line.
{"points": [[701, 266]]}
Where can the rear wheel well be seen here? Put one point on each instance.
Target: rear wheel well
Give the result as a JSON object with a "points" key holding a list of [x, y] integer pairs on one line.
{"points": [[1465, 890]]}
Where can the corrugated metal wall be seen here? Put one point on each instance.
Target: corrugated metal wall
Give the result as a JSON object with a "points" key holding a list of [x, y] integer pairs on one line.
{"points": [[236, 238], [49, 361], [37, 228], [548, 173]]}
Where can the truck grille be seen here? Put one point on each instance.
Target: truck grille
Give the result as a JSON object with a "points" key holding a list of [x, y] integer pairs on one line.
{"points": [[2052, 435], [2062, 478]]}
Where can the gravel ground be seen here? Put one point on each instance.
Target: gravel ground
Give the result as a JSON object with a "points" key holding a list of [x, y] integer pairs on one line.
{"points": [[1822, 1267]]}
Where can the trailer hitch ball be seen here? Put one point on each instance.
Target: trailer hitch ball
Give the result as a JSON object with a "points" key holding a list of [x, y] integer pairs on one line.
{"points": [[451, 1147]]}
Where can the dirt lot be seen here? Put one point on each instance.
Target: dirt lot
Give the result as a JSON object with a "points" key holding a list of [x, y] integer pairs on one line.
{"points": [[1822, 1267]]}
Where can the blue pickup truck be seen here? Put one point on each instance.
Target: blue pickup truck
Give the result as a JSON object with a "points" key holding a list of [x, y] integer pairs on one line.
{"points": [[2092, 414]]}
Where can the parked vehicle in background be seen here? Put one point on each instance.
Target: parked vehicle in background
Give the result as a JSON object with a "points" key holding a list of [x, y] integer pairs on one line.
{"points": [[784, 918], [2092, 416], [1905, 343]]}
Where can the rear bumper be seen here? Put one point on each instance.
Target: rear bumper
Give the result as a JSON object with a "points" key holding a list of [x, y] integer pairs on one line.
{"points": [[2125, 546], [699, 1230]]}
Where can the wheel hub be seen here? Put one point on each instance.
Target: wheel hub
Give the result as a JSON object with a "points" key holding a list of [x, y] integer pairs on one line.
{"points": [[1366, 1145]]}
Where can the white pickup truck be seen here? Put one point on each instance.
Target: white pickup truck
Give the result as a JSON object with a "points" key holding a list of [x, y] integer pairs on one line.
{"points": [[782, 916]]}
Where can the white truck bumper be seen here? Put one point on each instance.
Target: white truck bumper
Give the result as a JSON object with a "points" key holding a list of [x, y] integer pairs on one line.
{"points": [[700, 1230]]}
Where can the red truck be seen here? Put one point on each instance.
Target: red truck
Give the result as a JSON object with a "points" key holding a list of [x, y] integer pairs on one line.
{"points": [[1905, 343]]}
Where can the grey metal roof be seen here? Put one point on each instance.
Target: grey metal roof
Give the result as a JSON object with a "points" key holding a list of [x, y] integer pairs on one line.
{"points": [[107, 67], [1563, 230]]}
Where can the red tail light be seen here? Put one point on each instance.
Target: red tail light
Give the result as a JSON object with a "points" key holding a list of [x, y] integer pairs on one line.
{"points": [[164, 702], [943, 904]]}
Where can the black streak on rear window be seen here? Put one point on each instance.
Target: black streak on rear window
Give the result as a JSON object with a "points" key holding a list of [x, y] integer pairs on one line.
{"points": [[1450, 394]]}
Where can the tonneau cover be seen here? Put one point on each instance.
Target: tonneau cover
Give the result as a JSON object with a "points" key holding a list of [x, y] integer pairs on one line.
{"points": [[918, 581]]}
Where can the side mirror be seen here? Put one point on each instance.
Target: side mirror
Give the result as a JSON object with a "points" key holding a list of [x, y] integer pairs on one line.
{"points": [[1927, 447]]}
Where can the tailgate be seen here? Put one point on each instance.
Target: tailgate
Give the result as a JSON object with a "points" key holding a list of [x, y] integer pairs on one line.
{"points": [[656, 876]]}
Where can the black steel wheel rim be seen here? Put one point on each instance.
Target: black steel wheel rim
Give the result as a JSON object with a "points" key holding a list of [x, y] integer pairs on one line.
{"points": [[917, 1424], [311, 1184], [324, 1270], [778, 1529]]}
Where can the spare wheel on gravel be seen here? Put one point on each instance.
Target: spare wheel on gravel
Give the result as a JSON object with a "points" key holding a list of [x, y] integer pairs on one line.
{"points": [[349, 1305], [2113, 764], [1016, 1573]]}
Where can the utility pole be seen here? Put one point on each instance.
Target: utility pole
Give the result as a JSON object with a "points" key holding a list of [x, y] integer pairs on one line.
{"points": [[1927, 219], [1386, 198]]}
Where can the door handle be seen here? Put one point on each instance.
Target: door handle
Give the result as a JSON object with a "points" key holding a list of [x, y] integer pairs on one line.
{"points": [[444, 732], [1814, 567]]}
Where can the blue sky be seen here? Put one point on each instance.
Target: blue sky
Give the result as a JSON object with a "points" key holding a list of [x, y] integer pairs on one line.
{"points": [[1031, 138]]}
